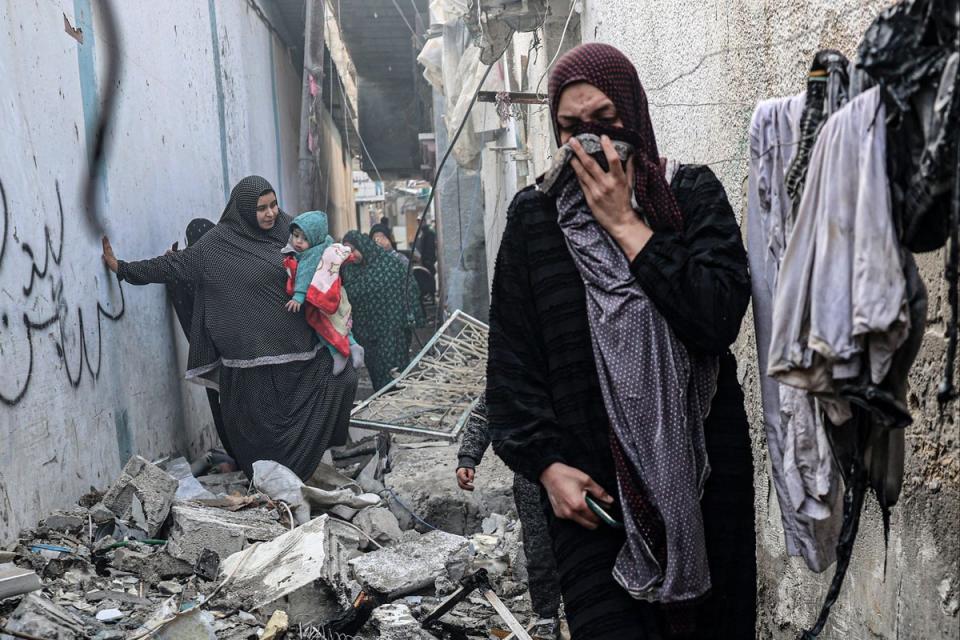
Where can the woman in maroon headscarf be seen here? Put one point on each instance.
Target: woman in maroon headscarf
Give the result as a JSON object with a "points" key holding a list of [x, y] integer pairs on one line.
{"points": [[545, 404]]}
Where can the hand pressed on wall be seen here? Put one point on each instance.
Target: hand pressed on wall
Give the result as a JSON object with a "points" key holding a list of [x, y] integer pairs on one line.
{"points": [[608, 195], [108, 258]]}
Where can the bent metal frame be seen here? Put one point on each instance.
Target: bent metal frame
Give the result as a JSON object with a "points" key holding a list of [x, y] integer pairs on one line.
{"points": [[436, 393]]}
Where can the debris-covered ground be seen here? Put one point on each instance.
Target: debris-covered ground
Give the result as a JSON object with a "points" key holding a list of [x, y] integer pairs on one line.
{"points": [[369, 548]]}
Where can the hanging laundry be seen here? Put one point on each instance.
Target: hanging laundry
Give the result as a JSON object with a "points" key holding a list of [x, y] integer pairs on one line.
{"points": [[811, 519], [841, 293]]}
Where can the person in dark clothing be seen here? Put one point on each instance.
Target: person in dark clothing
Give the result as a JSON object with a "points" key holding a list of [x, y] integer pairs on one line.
{"points": [[279, 397], [546, 410], [427, 248], [381, 235], [542, 578], [182, 294]]}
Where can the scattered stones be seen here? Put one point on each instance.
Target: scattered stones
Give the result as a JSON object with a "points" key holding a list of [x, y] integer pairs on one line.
{"points": [[277, 626], [408, 567], [38, 616], [66, 521], [116, 596], [144, 487], [196, 528]]}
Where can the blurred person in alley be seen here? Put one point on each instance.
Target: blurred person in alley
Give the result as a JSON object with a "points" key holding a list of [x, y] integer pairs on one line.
{"points": [[278, 395], [559, 361], [380, 234], [386, 307], [542, 581]]}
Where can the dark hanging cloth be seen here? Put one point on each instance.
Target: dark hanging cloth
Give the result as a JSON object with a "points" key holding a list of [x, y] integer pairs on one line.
{"points": [[545, 403], [827, 90], [182, 295], [912, 50], [386, 307], [279, 398]]}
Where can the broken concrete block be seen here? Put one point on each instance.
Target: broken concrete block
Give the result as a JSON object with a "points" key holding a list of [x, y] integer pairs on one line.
{"points": [[303, 572], [170, 588], [380, 524], [68, 521], [196, 528], [152, 567], [38, 616], [15, 581], [110, 615], [142, 487], [408, 567], [396, 622], [195, 625]]}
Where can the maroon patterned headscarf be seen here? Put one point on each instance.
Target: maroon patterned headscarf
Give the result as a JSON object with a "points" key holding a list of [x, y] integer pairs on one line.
{"points": [[609, 70]]}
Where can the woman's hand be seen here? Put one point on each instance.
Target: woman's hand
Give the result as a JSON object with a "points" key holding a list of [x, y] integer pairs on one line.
{"points": [[608, 195], [465, 476], [567, 487], [293, 306], [108, 258]]}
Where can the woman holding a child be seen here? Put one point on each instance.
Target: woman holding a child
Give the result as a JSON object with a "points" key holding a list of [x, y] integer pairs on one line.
{"points": [[280, 398]]}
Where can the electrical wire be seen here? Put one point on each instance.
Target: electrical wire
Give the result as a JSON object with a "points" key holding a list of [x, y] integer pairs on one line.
{"points": [[98, 156], [357, 129], [407, 22], [563, 34]]}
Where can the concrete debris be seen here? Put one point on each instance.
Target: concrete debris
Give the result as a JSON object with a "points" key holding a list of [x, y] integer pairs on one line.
{"points": [[142, 559], [145, 486], [381, 525], [409, 567], [302, 572], [276, 627], [15, 581], [40, 617], [195, 528], [396, 622], [422, 481]]}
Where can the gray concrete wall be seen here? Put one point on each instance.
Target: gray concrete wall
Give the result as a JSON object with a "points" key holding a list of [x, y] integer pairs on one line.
{"points": [[90, 374], [705, 65]]}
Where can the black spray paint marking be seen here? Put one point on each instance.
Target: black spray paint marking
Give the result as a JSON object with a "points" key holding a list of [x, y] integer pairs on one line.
{"points": [[48, 270]]}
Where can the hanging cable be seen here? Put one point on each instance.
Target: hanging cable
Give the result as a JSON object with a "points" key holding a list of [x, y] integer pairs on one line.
{"points": [[98, 155], [563, 34], [407, 22]]}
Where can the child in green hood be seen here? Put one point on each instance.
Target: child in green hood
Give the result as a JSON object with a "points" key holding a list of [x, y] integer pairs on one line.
{"points": [[313, 262]]}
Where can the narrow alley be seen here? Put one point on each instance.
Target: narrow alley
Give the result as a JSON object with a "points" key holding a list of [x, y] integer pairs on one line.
{"points": [[481, 319]]}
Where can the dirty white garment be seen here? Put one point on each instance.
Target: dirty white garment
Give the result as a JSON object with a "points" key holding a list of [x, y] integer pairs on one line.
{"points": [[802, 469], [841, 294]]}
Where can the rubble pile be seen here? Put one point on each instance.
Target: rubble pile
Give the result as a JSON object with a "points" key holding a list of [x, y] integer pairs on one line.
{"points": [[163, 554]]}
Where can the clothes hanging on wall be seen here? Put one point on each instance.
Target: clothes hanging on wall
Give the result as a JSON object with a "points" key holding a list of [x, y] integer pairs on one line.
{"points": [[835, 205], [811, 519]]}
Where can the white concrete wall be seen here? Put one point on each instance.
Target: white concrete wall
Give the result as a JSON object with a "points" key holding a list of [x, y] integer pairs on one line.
{"points": [[705, 65], [79, 390]]}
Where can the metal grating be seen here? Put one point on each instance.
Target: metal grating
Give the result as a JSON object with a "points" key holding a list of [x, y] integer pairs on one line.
{"points": [[435, 394]]}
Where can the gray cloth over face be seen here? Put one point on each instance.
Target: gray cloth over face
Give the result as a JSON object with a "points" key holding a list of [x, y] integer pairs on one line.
{"points": [[657, 396]]}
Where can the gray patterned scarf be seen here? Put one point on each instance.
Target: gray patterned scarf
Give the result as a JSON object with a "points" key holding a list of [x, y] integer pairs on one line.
{"points": [[657, 396]]}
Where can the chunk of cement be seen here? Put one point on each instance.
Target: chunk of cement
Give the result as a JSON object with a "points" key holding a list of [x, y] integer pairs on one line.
{"points": [[37, 615], [380, 524], [304, 572], [408, 567], [144, 482], [15, 581], [110, 615], [226, 484], [68, 521], [196, 528], [195, 625], [396, 622]]}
